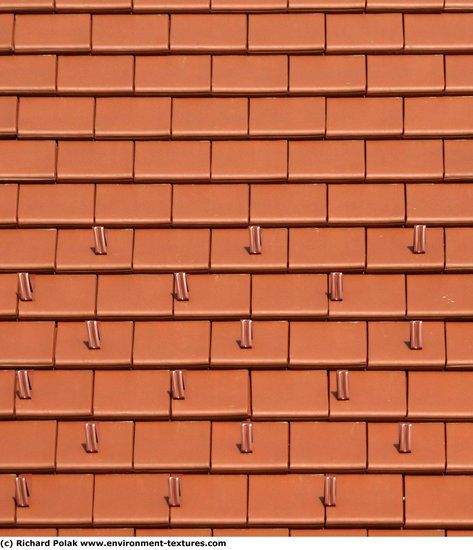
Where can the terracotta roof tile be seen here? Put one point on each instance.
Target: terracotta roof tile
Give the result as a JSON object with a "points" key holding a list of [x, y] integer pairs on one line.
{"points": [[286, 32], [23, 249], [458, 446], [8, 296], [7, 509], [8, 203], [458, 73], [330, 5], [173, 532], [171, 5], [27, 160], [459, 350], [29, 344], [28, 74], [93, 5], [26, 532], [448, 204], [251, 532], [7, 392], [406, 533], [96, 532], [26, 5], [458, 164], [434, 116], [8, 116], [448, 295], [328, 532], [438, 32], [6, 32], [457, 256], [191, 33], [248, 4], [404, 5]]}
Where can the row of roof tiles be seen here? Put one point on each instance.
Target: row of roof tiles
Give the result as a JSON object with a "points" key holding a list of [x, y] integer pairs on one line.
{"points": [[235, 205], [236, 74], [226, 250], [228, 5], [240, 500], [276, 160], [47, 445], [226, 394], [230, 33], [278, 296], [221, 344], [66, 117]]}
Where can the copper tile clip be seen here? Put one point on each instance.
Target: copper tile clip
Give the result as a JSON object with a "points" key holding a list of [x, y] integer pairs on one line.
{"points": [[330, 491], [246, 337], [405, 437], [256, 244], [343, 385], [25, 288], [22, 491], [178, 385], [418, 246], [93, 334], [24, 387], [336, 287], [181, 287], [246, 444], [91, 437], [174, 491], [416, 340], [100, 240]]}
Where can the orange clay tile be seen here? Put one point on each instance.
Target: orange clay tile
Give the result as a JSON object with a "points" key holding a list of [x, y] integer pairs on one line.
{"points": [[201, 33], [285, 500], [27, 160], [389, 346], [372, 395], [326, 249], [317, 344], [76, 250], [447, 296], [287, 116], [442, 395], [289, 394], [248, 4], [93, 5], [291, 296], [269, 346], [458, 77], [134, 296], [219, 204], [364, 33], [172, 74], [225, 498], [328, 532], [29, 344], [72, 347], [98, 74], [406, 533], [328, 5], [251, 532], [326, 160], [438, 32], [7, 392], [28, 445], [392, 250], [438, 116], [171, 5], [8, 204], [171, 343], [8, 295], [6, 32], [254, 74], [96, 532], [60, 296], [171, 160], [39, 532], [56, 117], [459, 449], [28, 73], [115, 447], [316, 446], [132, 394], [404, 5], [132, 204], [449, 204], [129, 33], [172, 445], [438, 501], [185, 532], [270, 451], [52, 502], [230, 297], [147, 117], [55, 204], [428, 448], [8, 116], [138, 499], [23, 249], [291, 204], [327, 74], [286, 32], [209, 117], [459, 346], [58, 393], [52, 33], [373, 117], [367, 500], [7, 489], [458, 164], [231, 252], [208, 394], [366, 204], [26, 5], [405, 74]]}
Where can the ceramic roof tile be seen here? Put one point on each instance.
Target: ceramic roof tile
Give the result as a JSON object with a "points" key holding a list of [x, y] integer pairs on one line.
{"points": [[96, 532], [7, 392], [447, 297], [276, 532], [93, 5], [23, 249], [29, 344], [28, 74], [458, 165], [8, 116], [8, 203], [406, 533], [328, 532], [27, 160], [457, 73], [7, 508], [457, 255], [458, 446], [171, 5], [438, 32], [434, 116], [248, 4], [25, 5], [459, 351]]}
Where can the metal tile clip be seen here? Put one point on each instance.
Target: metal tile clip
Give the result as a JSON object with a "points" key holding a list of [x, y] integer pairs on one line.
{"points": [[25, 288], [174, 498], [420, 232], [256, 243], [24, 386], [181, 287], [246, 336], [336, 287], [91, 437], [343, 385], [416, 339], [100, 241], [330, 491], [405, 437], [22, 491], [93, 334], [246, 444], [178, 385]]}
